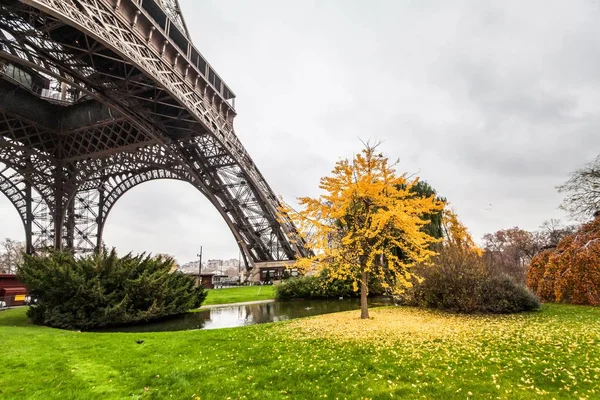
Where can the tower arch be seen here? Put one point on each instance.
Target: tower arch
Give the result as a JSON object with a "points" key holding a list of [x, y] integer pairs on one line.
{"points": [[119, 94]]}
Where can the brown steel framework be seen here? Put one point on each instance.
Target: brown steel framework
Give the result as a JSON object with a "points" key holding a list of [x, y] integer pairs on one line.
{"points": [[98, 96]]}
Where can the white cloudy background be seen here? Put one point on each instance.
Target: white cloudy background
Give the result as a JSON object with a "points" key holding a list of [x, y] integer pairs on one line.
{"points": [[490, 102]]}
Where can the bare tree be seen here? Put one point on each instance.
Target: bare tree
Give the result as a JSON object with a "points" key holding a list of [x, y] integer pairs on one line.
{"points": [[11, 255], [583, 191], [551, 233], [509, 251]]}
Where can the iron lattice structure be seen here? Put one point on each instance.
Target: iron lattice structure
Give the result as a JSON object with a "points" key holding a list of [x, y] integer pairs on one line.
{"points": [[98, 96]]}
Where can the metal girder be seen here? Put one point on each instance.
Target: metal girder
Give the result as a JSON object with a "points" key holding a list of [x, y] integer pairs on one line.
{"points": [[174, 12], [124, 103]]}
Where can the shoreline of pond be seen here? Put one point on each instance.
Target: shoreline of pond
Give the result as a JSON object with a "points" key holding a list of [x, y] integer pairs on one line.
{"points": [[220, 316]]}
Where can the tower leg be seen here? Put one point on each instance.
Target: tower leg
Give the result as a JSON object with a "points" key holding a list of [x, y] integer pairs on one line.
{"points": [[28, 219], [70, 226], [58, 209], [100, 220]]}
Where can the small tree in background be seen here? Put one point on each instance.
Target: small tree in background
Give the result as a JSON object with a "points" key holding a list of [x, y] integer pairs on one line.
{"points": [[456, 234], [583, 191], [104, 289], [509, 251], [368, 224], [11, 255], [169, 258]]}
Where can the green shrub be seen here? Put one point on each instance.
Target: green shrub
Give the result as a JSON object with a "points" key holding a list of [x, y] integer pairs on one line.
{"points": [[103, 290], [502, 295], [313, 287], [462, 282]]}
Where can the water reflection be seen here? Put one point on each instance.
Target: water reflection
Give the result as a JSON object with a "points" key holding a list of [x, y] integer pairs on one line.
{"points": [[241, 315]]}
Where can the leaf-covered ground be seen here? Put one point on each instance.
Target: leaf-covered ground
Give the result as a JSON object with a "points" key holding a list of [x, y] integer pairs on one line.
{"points": [[399, 353], [553, 353]]}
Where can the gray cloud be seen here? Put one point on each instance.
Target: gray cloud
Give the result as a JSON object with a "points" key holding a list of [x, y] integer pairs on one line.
{"points": [[491, 102]]}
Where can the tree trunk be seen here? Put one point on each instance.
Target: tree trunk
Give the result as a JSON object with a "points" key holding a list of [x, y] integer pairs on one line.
{"points": [[364, 290]]}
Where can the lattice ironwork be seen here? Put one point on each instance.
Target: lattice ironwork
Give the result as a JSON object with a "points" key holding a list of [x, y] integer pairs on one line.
{"points": [[32, 207], [174, 12], [98, 96]]}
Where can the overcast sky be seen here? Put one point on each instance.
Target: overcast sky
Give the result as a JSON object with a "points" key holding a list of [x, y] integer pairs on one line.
{"points": [[492, 103]]}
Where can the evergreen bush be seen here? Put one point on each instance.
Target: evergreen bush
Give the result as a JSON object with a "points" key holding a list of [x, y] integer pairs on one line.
{"points": [[314, 287], [105, 290]]}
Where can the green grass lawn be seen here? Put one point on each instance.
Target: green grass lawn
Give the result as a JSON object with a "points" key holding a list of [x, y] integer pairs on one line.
{"points": [[239, 294], [399, 353]]}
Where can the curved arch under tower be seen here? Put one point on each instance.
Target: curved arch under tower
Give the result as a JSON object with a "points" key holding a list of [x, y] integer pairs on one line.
{"points": [[97, 96]]}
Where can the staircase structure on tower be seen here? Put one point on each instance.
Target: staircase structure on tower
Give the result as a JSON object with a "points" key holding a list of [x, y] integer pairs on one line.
{"points": [[98, 96]]}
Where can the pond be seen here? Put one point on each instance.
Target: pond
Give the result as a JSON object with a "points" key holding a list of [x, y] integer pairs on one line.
{"points": [[248, 314]]}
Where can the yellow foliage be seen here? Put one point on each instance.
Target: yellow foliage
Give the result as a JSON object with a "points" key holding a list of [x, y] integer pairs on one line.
{"points": [[367, 223], [456, 233]]}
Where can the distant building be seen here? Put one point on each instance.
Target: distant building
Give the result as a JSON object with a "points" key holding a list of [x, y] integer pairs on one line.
{"points": [[271, 271], [230, 267], [213, 265], [190, 267], [213, 279], [12, 292]]}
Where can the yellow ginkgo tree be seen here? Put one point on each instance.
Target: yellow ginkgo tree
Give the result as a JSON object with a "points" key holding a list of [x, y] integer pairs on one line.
{"points": [[367, 226]]}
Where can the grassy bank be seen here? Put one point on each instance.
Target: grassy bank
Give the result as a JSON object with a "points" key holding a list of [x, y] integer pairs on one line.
{"points": [[239, 294], [399, 353]]}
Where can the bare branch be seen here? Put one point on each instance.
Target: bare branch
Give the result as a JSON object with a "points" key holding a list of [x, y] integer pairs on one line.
{"points": [[582, 191]]}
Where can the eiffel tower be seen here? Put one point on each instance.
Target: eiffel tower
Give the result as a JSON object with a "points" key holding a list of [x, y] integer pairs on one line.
{"points": [[99, 96]]}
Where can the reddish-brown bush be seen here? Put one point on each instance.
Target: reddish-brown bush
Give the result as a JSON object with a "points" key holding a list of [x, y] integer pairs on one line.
{"points": [[571, 272]]}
